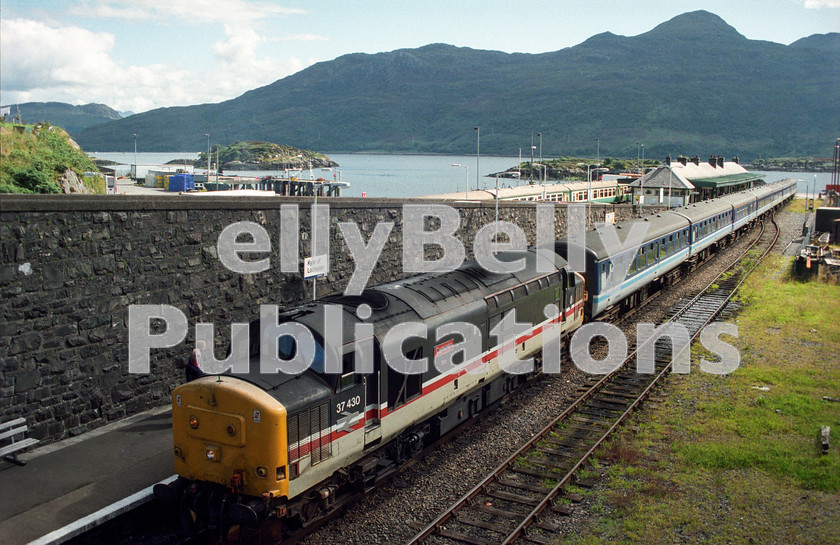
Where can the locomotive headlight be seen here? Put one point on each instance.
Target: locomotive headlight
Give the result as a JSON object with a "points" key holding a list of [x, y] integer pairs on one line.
{"points": [[212, 454], [262, 472], [194, 422]]}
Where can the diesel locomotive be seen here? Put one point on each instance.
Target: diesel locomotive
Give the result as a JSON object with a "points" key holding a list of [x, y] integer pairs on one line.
{"points": [[253, 447]]}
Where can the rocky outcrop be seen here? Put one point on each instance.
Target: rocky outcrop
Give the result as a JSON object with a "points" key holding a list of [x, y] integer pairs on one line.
{"points": [[70, 183], [258, 155], [299, 164]]}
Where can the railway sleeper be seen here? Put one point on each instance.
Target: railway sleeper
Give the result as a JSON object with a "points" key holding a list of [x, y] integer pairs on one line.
{"points": [[536, 538], [540, 474], [491, 510], [508, 496], [464, 538], [478, 523], [524, 486]]}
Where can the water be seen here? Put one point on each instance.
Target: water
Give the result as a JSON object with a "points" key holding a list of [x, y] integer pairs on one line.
{"points": [[805, 180], [382, 175]]}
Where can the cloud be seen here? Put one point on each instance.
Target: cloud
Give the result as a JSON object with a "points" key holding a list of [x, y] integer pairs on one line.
{"points": [[237, 59], [195, 11], [34, 55], [304, 38], [74, 65], [818, 4]]}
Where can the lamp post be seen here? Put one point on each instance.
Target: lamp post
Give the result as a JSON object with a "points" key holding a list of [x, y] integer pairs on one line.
{"points": [[477, 153], [208, 156], [814, 207], [540, 135], [670, 174], [531, 162], [135, 157], [642, 183], [638, 151], [589, 188], [466, 178], [598, 153], [542, 172]]}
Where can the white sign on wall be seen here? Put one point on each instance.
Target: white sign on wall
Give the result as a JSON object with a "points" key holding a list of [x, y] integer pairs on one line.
{"points": [[316, 266]]}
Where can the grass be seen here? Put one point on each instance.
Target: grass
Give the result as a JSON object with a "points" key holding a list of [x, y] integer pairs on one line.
{"points": [[735, 458], [798, 205], [33, 160]]}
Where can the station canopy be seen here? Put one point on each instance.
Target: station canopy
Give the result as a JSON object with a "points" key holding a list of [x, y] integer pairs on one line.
{"points": [[714, 174]]}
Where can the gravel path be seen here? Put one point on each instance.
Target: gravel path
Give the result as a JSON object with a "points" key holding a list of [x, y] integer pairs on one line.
{"points": [[422, 491]]}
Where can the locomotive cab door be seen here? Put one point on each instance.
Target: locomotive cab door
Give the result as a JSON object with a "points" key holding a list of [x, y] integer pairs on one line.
{"points": [[367, 369]]}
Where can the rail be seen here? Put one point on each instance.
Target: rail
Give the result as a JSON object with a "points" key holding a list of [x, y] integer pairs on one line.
{"points": [[508, 504]]}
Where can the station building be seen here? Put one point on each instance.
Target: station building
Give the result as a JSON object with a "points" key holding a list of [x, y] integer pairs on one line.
{"points": [[689, 180]]}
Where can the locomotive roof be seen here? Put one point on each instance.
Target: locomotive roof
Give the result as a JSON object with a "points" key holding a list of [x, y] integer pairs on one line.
{"points": [[431, 294]]}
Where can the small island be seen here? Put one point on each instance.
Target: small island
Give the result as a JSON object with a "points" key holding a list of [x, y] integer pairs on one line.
{"points": [[254, 155]]}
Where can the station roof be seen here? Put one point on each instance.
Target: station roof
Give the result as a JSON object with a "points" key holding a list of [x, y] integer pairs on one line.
{"points": [[694, 173], [663, 176]]}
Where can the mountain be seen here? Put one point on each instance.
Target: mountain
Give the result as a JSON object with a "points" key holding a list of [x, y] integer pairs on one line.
{"points": [[72, 118], [829, 43], [691, 85]]}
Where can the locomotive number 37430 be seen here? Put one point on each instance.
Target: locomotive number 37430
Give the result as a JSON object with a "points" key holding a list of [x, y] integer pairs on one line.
{"points": [[348, 404]]}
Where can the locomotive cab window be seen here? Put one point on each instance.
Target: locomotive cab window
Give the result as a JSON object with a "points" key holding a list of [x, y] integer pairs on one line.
{"points": [[349, 377], [402, 388]]}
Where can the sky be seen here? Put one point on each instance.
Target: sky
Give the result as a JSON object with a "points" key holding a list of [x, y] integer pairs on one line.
{"points": [[137, 55]]}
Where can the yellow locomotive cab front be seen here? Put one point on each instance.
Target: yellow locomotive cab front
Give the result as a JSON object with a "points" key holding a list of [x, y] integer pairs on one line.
{"points": [[230, 432]]}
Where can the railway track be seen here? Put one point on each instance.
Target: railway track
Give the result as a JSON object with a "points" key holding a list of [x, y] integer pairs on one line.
{"points": [[518, 501]]}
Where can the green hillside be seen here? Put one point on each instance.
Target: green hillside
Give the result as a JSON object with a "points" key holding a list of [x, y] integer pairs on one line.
{"points": [[691, 85], [33, 159]]}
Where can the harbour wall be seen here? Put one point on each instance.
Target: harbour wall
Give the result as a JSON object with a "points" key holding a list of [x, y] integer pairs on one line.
{"points": [[71, 265]]}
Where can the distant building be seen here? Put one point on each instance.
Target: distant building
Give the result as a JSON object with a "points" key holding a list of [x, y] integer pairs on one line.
{"points": [[688, 180]]}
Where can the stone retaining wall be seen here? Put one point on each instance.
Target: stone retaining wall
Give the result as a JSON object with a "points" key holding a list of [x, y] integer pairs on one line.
{"points": [[70, 266]]}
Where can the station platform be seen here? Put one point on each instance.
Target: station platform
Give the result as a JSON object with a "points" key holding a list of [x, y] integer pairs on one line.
{"points": [[69, 486]]}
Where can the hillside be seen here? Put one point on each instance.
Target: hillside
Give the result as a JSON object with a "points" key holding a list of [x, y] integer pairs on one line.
{"points": [[43, 159], [72, 118], [691, 85]]}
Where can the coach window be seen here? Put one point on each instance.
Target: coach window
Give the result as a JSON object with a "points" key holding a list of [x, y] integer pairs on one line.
{"points": [[651, 253], [663, 249], [640, 259]]}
